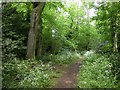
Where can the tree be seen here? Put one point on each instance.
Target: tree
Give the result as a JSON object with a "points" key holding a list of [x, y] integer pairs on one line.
{"points": [[15, 25], [107, 21], [35, 33]]}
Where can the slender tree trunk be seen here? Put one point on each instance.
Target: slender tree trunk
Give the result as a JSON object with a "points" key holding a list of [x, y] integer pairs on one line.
{"points": [[31, 36], [115, 33], [35, 28], [39, 44], [115, 42]]}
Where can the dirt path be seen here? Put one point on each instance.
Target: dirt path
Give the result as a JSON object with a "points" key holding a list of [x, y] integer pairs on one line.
{"points": [[69, 76]]}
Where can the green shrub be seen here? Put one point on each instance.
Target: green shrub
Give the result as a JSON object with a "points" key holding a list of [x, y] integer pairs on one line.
{"points": [[27, 74], [96, 73], [39, 77], [66, 58], [62, 58], [115, 60]]}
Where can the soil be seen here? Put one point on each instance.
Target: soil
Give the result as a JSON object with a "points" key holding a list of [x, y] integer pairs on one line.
{"points": [[68, 78]]}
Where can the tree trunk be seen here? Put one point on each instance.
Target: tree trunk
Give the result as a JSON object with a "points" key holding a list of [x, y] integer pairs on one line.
{"points": [[115, 42], [39, 44], [35, 27]]}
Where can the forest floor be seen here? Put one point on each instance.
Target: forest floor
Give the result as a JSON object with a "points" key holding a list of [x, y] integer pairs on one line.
{"points": [[68, 77]]}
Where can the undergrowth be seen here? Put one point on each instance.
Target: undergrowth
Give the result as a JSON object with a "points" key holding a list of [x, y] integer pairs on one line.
{"points": [[62, 58], [27, 74], [96, 73], [34, 73]]}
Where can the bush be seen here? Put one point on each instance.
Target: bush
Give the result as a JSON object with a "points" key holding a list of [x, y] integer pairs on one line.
{"points": [[62, 58], [67, 57], [27, 74], [89, 53], [39, 77], [115, 60], [96, 73]]}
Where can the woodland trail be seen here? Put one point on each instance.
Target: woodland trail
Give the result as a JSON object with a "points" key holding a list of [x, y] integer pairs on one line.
{"points": [[69, 77]]}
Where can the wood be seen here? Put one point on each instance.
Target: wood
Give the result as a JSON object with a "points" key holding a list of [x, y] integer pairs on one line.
{"points": [[35, 29]]}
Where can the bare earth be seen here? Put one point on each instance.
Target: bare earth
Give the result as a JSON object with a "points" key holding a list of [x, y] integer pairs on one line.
{"points": [[69, 76]]}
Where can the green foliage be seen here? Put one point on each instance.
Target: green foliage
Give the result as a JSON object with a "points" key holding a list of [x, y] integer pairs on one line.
{"points": [[107, 23], [66, 29], [64, 26], [15, 26], [27, 74], [115, 60], [96, 73], [64, 57]]}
